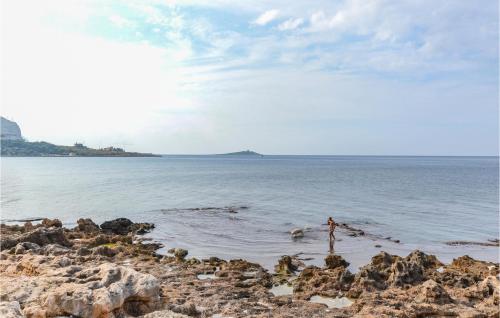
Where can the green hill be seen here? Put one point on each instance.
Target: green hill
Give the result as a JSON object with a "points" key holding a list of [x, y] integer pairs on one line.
{"points": [[21, 148]]}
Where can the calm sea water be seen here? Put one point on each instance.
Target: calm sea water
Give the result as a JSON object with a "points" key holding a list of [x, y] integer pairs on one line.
{"points": [[422, 201]]}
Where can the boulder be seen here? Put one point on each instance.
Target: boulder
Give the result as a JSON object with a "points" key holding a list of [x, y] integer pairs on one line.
{"points": [[333, 261], [117, 226], [87, 226], [51, 223], [297, 233], [105, 291]]}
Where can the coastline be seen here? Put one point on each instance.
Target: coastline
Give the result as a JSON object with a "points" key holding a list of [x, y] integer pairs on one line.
{"points": [[114, 270]]}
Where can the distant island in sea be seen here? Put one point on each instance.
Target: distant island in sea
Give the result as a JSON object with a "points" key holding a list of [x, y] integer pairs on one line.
{"points": [[14, 145], [242, 153]]}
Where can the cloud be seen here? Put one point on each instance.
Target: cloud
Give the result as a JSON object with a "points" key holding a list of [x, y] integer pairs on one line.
{"points": [[290, 24], [267, 17], [194, 77]]}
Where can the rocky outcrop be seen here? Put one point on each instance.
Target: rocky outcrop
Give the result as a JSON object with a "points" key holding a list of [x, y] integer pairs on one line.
{"points": [[105, 290], [40, 236], [87, 226], [103, 274], [123, 226], [9, 130]]}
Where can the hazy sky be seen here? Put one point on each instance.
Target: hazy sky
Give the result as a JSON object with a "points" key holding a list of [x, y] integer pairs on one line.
{"points": [[277, 77]]}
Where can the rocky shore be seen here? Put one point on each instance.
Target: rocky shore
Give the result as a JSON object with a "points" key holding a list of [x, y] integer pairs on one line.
{"points": [[112, 271]]}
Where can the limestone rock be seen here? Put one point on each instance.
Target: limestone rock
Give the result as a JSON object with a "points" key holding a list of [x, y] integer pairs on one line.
{"points": [[10, 309], [41, 236], [51, 223], [103, 290], [117, 226], [87, 226], [333, 261], [179, 253], [432, 292]]}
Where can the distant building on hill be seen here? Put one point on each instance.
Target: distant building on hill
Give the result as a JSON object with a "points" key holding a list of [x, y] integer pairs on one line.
{"points": [[10, 130]]}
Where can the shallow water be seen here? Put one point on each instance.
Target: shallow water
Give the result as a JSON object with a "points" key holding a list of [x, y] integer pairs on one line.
{"points": [[339, 302], [281, 290], [422, 201]]}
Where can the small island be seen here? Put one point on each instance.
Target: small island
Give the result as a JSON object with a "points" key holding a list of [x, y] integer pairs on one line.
{"points": [[243, 153], [14, 145]]}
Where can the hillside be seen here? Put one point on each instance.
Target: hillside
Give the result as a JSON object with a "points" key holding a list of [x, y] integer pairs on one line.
{"points": [[21, 148], [242, 153]]}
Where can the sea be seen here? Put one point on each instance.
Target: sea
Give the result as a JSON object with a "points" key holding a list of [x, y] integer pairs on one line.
{"points": [[245, 206]]}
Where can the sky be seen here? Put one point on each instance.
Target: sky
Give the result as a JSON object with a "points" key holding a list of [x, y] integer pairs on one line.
{"points": [[353, 77]]}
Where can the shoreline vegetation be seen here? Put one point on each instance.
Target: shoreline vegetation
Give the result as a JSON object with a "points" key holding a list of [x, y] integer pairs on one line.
{"points": [[112, 270], [22, 148]]}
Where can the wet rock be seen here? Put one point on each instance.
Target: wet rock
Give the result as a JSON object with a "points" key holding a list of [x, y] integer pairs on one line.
{"points": [[107, 288], [141, 228], [286, 266], [179, 253], [87, 226], [297, 233], [333, 261], [51, 223], [117, 226], [10, 309]]}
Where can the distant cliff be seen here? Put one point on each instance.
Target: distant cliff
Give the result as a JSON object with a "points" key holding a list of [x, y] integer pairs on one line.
{"points": [[10, 130], [13, 145]]}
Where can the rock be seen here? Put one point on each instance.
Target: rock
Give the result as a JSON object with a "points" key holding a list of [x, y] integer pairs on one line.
{"points": [[104, 251], [28, 226], [83, 251], [55, 250], [179, 253], [117, 226], [141, 228], [389, 270], [432, 292], [297, 233], [41, 236], [286, 266], [164, 314], [186, 309], [87, 226], [51, 223], [64, 261], [333, 261], [105, 290], [21, 248], [10, 309]]}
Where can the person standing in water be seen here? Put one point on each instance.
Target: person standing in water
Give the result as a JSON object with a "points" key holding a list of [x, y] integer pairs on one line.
{"points": [[331, 228]]}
